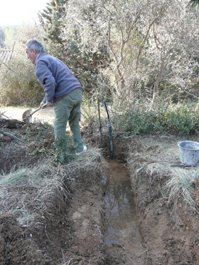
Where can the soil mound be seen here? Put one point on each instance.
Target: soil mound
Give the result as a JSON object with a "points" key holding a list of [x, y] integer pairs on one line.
{"points": [[49, 211], [16, 246]]}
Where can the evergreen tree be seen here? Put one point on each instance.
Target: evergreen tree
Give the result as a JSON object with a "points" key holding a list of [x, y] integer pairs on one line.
{"points": [[67, 44], [51, 19], [194, 3]]}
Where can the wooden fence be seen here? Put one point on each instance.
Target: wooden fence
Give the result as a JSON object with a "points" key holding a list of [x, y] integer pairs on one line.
{"points": [[6, 54]]}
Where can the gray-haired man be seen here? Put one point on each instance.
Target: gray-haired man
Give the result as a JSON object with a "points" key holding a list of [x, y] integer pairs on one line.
{"points": [[61, 89]]}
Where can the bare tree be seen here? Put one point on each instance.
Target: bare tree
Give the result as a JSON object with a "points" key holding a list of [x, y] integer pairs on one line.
{"points": [[150, 42]]}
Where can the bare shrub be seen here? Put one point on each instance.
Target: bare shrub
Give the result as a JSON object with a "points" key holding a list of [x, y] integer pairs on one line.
{"points": [[18, 82], [151, 47]]}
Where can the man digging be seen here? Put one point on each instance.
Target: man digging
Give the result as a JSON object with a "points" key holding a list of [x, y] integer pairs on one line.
{"points": [[62, 90]]}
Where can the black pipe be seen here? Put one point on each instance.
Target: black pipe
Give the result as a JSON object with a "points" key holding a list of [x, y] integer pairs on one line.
{"points": [[100, 127], [110, 130]]}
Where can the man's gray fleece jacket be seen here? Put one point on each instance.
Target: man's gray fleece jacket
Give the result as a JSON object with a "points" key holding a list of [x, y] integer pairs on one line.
{"points": [[55, 77]]}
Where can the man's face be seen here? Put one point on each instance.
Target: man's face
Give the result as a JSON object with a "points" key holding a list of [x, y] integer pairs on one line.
{"points": [[32, 55]]}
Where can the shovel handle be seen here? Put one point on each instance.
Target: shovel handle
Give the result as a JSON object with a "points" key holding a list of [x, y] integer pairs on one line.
{"points": [[37, 109]]}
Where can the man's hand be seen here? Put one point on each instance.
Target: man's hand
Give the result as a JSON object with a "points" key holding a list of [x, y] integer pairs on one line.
{"points": [[46, 104], [42, 105]]}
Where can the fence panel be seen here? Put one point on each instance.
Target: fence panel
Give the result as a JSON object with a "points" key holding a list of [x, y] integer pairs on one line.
{"points": [[5, 55]]}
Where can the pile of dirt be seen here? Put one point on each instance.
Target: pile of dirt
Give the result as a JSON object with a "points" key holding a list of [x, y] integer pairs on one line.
{"points": [[34, 142], [16, 244], [50, 213]]}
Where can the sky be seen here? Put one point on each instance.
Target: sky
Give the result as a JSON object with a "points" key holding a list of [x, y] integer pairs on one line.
{"points": [[15, 12]]}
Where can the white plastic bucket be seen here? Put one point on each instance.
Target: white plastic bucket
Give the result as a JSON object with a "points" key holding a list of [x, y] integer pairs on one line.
{"points": [[189, 152]]}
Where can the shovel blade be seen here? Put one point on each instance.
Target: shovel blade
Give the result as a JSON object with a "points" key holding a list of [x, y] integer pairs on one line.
{"points": [[26, 116]]}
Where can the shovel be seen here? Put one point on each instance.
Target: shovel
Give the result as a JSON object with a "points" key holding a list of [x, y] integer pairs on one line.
{"points": [[27, 115]]}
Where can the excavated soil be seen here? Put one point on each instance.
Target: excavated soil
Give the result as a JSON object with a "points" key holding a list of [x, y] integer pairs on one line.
{"points": [[67, 226]]}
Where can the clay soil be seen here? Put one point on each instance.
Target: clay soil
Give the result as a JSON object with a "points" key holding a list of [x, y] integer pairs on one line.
{"points": [[57, 216]]}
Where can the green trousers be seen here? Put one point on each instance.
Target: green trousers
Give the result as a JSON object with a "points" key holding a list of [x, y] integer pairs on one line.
{"points": [[68, 109]]}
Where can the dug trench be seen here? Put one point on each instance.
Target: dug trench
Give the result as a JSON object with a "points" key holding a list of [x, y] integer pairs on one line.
{"points": [[57, 214], [164, 228]]}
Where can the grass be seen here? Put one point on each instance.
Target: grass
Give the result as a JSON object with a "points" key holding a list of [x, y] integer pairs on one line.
{"points": [[141, 116], [22, 177], [42, 190], [23, 217], [26, 192], [179, 185], [154, 166]]}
